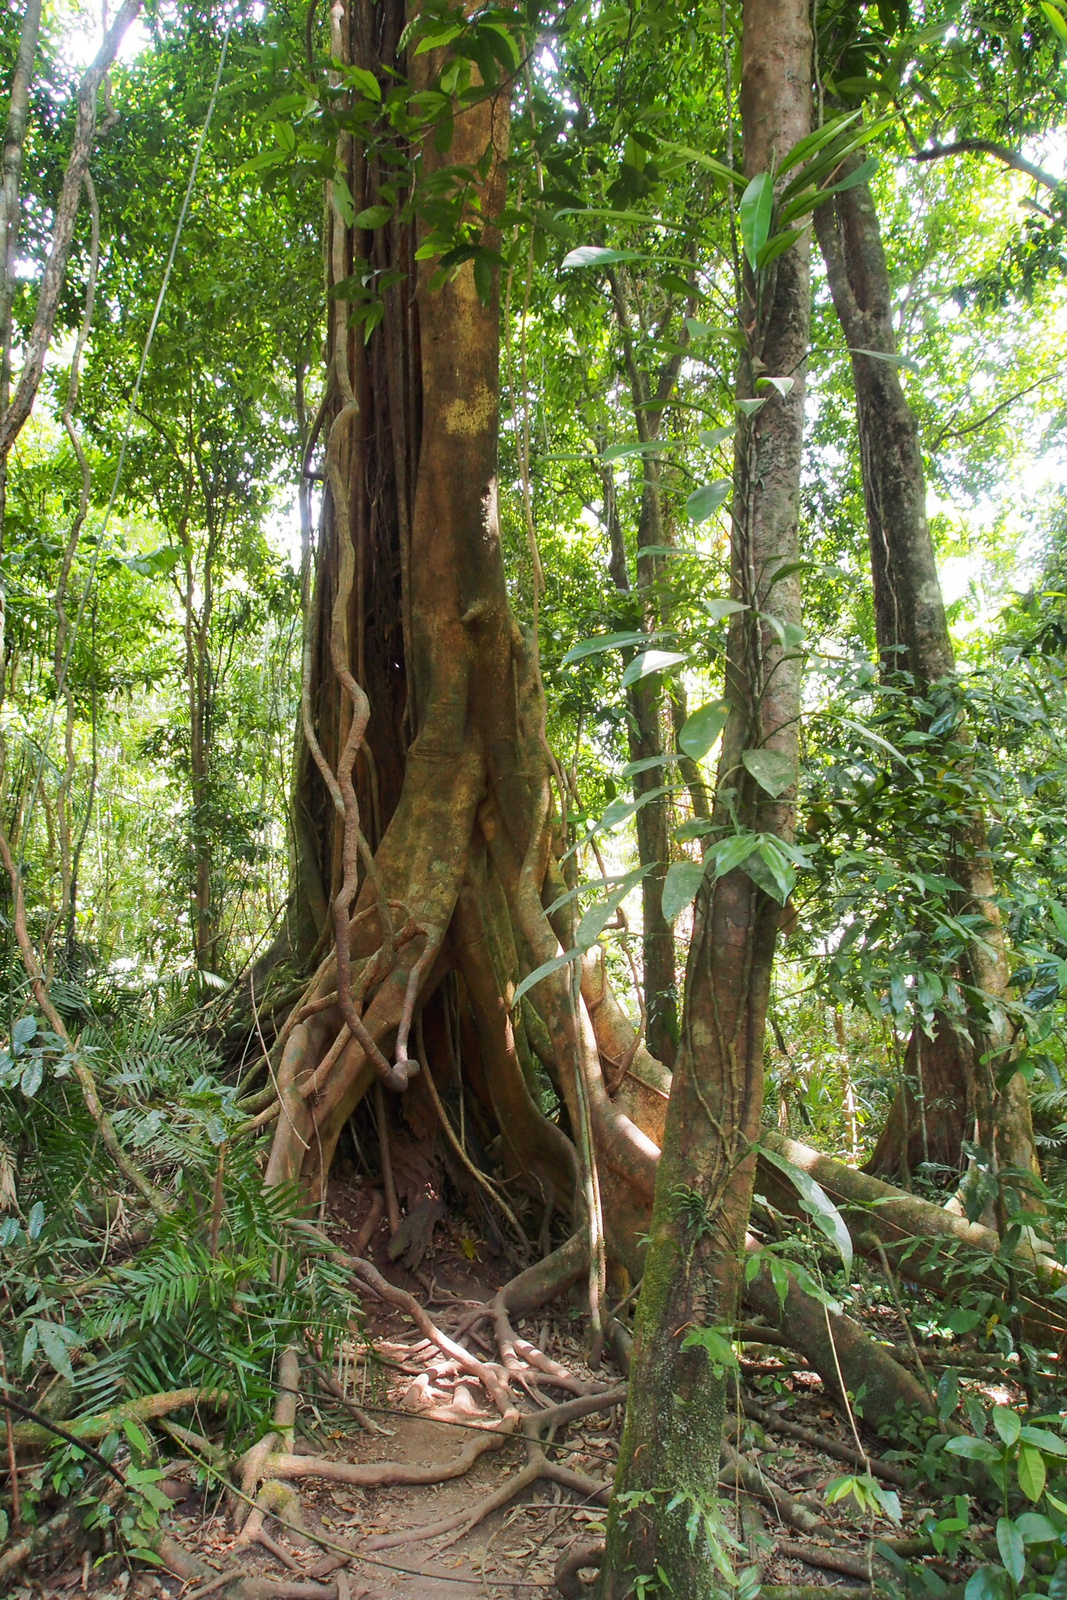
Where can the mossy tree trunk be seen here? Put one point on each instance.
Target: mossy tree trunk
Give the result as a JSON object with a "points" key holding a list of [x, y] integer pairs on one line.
{"points": [[662, 1518]]}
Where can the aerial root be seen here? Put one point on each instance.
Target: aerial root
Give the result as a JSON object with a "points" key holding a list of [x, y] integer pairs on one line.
{"points": [[532, 1431]]}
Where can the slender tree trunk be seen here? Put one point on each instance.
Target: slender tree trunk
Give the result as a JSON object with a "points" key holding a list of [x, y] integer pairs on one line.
{"points": [[646, 700], [953, 1091], [663, 1512]]}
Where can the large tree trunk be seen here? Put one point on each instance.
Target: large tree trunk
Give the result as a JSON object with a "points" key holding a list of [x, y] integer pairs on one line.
{"points": [[661, 1517], [949, 1071]]}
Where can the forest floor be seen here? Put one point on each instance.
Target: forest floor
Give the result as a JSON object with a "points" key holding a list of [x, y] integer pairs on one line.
{"points": [[427, 1411]]}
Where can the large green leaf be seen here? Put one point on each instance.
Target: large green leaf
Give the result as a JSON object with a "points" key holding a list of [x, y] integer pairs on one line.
{"points": [[594, 255], [650, 661], [543, 971], [603, 641], [1011, 1547], [754, 214], [817, 1203], [704, 502], [772, 770], [680, 886], [700, 730]]}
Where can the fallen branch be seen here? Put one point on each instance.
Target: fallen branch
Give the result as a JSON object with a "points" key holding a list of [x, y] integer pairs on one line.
{"points": [[819, 1555], [736, 1472], [88, 1430], [822, 1441]]}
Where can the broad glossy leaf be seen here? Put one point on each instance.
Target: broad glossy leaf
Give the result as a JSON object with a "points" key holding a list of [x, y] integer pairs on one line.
{"points": [[754, 215], [604, 641], [594, 255], [543, 971], [1051, 1443], [374, 217], [680, 887], [24, 1030], [701, 729], [772, 770], [1011, 1547], [650, 661], [718, 609], [973, 1449], [704, 502], [817, 1202], [711, 437], [35, 1220], [636, 447], [621, 810], [1036, 1529], [987, 1583], [32, 1077], [1007, 1423], [730, 853]]}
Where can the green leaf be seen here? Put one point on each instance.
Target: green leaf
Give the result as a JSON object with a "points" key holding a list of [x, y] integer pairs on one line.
{"points": [[543, 971], [650, 661], [636, 447], [55, 1348], [1051, 1443], [1056, 17], [730, 853], [32, 1077], [973, 1449], [1036, 1529], [604, 641], [600, 914], [373, 217], [748, 408], [701, 728], [704, 502], [632, 768], [772, 770], [344, 205], [817, 1202], [1031, 1472], [768, 867], [24, 1030], [1011, 1547], [718, 609], [778, 246], [986, 1584], [712, 437], [35, 1220], [680, 887], [439, 38], [593, 255], [621, 810], [887, 356], [782, 385], [813, 142], [367, 84], [754, 213], [1007, 1423]]}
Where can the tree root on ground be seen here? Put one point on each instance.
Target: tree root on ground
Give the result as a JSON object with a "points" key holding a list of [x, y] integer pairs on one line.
{"points": [[532, 1431]]}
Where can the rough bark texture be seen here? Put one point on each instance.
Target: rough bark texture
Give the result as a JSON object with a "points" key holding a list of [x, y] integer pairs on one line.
{"points": [[913, 638], [669, 1454]]}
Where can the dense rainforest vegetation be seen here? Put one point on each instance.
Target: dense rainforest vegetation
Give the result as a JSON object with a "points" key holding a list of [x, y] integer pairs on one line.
{"points": [[533, 799]]}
